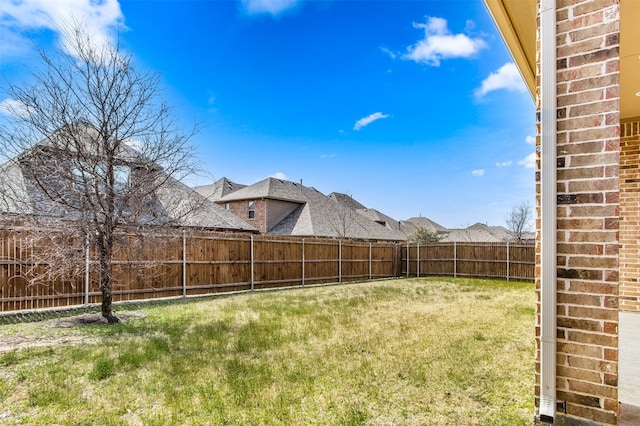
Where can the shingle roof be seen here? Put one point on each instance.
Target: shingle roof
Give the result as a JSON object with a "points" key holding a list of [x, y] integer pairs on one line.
{"points": [[207, 214], [425, 223], [219, 189], [478, 232], [318, 214], [346, 200], [323, 216], [275, 189], [175, 202], [340, 215]]}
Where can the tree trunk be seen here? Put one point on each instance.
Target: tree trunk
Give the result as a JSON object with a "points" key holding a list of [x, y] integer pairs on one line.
{"points": [[107, 298], [106, 282]]}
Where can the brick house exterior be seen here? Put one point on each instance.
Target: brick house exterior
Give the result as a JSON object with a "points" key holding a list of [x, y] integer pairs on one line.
{"points": [[280, 207], [629, 291], [588, 149], [266, 212], [592, 153]]}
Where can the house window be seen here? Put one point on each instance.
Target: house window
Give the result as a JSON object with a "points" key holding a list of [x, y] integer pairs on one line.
{"points": [[227, 207], [122, 175], [252, 209]]}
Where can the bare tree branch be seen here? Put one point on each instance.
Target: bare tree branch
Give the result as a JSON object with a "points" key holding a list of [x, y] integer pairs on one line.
{"points": [[518, 221], [91, 142]]}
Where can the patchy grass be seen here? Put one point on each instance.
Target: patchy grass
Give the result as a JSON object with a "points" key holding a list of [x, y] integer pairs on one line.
{"points": [[401, 352]]}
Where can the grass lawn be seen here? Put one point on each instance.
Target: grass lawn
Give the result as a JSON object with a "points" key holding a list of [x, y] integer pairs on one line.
{"points": [[398, 352]]}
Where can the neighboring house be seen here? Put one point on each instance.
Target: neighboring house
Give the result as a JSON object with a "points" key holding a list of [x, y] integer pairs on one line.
{"points": [[208, 215], [412, 225], [347, 201], [479, 232], [280, 207], [431, 226], [219, 189], [172, 203], [581, 62]]}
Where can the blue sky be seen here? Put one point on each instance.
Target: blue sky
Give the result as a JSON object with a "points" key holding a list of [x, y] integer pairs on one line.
{"points": [[412, 107]]}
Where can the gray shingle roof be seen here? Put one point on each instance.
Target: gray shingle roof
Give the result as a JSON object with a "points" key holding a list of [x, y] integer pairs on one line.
{"points": [[322, 216], [207, 214], [219, 189], [425, 223], [346, 200], [175, 202], [275, 189], [318, 214], [340, 215], [478, 232]]}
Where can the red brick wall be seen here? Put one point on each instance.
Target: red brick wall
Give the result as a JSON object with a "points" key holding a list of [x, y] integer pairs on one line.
{"points": [[588, 145], [630, 217], [241, 209]]}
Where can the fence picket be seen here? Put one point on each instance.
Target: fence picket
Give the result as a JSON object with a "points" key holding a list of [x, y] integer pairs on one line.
{"points": [[207, 262]]}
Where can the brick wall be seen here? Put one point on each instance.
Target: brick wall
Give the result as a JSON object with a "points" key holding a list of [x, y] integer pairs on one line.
{"points": [[588, 146], [630, 217], [241, 209]]}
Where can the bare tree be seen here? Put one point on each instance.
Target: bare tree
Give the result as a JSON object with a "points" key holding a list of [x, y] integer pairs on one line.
{"points": [[342, 219], [90, 143], [466, 232], [518, 221]]}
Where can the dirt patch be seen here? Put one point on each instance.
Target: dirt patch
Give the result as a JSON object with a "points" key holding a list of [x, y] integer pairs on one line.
{"points": [[62, 331], [93, 319]]}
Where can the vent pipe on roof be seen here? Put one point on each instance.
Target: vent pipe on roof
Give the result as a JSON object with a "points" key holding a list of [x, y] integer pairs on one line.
{"points": [[548, 209]]}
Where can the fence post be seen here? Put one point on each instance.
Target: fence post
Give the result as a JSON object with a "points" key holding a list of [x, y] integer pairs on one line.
{"points": [[407, 259], [303, 262], [455, 259], [418, 260], [252, 285], [339, 261], [184, 264], [87, 264], [507, 260], [370, 271]]}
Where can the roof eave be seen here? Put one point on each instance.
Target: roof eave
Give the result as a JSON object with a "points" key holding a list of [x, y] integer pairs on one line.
{"points": [[514, 41]]}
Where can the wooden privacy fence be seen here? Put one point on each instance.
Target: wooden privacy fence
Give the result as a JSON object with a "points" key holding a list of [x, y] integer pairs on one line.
{"points": [[206, 262], [505, 260], [192, 264]]}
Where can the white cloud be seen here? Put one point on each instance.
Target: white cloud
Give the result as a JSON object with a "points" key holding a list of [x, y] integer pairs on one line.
{"points": [[389, 52], [14, 107], [479, 172], [507, 77], [528, 162], [279, 175], [273, 7], [531, 140], [439, 43], [504, 164], [98, 18], [328, 155], [363, 122]]}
